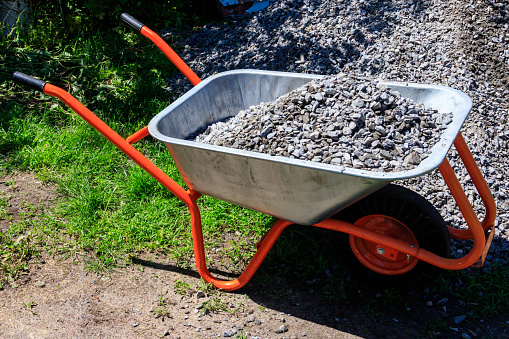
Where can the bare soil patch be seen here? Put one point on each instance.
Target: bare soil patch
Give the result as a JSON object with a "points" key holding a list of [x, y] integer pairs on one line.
{"points": [[70, 302], [24, 195]]}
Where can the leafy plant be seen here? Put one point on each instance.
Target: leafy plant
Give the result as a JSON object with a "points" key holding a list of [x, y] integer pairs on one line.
{"points": [[214, 305], [29, 305], [334, 290], [16, 249], [161, 309], [434, 327], [4, 204], [206, 288], [181, 287]]}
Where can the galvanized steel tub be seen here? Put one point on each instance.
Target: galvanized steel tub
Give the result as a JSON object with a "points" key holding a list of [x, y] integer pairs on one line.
{"points": [[299, 191]]}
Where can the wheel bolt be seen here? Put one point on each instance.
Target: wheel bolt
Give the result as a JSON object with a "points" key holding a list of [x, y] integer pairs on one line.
{"points": [[380, 251]]}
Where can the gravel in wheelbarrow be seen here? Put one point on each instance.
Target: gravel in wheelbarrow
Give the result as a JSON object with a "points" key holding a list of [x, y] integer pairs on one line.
{"points": [[303, 192], [340, 120]]}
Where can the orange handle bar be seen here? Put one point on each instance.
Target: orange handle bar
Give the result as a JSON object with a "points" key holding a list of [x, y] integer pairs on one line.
{"points": [[163, 46], [108, 133], [170, 54]]}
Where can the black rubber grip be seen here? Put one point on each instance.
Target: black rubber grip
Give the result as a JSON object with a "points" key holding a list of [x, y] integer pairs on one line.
{"points": [[131, 21], [27, 80]]}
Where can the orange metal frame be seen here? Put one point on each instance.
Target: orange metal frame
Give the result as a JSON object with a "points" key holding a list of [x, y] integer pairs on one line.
{"points": [[480, 232]]}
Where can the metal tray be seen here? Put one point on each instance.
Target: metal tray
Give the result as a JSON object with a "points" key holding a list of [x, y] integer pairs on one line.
{"points": [[299, 191]]}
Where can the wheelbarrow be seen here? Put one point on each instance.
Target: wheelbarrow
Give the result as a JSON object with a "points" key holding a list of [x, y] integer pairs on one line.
{"points": [[391, 230]]}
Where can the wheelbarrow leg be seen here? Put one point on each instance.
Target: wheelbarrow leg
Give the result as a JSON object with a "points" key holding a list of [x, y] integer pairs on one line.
{"points": [[479, 183], [199, 252], [478, 231]]}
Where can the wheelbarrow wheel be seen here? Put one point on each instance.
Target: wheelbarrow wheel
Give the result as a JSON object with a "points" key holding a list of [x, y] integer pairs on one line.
{"points": [[401, 213]]}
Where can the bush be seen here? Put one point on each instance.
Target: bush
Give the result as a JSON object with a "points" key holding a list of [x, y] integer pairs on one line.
{"points": [[86, 15]]}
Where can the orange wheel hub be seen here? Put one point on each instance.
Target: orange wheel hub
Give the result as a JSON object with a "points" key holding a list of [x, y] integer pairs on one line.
{"points": [[380, 258]]}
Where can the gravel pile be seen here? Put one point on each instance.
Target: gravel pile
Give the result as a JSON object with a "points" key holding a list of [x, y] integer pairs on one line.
{"points": [[457, 43], [339, 120]]}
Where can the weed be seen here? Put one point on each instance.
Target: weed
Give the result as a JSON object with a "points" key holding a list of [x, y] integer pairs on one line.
{"points": [[239, 253], [161, 312], [182, 287], [237, 309], [207, 288], [9, 182], [4, 204], [372, 310], [28, 209], [161, 309], [215, 305], [15, 252], [29, 305], [366, 331], [240, 334], [334, 290], [263, 278], [280, 293], [391, 297], [434, 327]]}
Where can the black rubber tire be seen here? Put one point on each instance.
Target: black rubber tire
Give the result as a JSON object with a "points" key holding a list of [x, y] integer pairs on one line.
{"points": [[417, 214]]}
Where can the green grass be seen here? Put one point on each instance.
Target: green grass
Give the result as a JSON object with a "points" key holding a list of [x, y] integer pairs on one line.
{"points": [[109, 209]]}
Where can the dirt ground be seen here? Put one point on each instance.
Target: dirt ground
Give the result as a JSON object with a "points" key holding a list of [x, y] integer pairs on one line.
{"points": [[154, 298]]}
